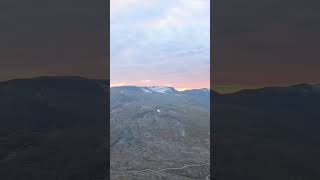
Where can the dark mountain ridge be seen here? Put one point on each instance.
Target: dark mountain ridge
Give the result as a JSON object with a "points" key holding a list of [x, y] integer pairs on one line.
{"points": [[268, 133], [160, 94], [53, 128]]}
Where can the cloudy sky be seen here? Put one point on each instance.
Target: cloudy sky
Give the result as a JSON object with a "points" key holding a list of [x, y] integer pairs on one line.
{"points": [[160, 42]]}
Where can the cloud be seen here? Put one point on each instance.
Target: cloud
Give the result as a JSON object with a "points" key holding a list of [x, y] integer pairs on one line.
{"points": [[160, 39], [185, 13], [146, 81], [118, 6]]}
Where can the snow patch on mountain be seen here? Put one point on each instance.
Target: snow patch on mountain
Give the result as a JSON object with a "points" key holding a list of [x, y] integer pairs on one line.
{"points": [[159, 89], [146, 90]]}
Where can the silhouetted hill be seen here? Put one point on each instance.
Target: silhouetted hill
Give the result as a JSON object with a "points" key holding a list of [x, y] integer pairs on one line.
{"points": [[269, 133], [53, 128]]}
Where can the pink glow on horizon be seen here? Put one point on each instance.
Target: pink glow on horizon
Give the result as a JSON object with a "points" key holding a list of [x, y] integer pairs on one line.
{"points": [[177, 86]]}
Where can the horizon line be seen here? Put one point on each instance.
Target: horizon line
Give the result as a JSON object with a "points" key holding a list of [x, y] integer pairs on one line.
{"points": [[176, 88], [217, 86]]}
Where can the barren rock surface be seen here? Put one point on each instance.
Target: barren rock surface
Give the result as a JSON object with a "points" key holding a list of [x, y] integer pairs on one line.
{"points": [[157, 135]]}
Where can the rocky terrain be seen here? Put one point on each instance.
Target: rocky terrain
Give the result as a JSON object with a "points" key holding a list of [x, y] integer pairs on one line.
{"points": [[159, 133]]}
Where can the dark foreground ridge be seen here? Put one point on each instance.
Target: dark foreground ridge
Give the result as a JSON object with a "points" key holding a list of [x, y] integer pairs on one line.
{"points": [[53, 128], [269, 133]]}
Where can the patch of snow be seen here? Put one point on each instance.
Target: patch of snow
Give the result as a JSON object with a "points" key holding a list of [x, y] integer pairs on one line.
{"points": [[183, 133], [146, 90], [160, 89]]}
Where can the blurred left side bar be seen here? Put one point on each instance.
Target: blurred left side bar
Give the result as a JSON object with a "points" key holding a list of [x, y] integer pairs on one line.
{"points": [[54, 89]]}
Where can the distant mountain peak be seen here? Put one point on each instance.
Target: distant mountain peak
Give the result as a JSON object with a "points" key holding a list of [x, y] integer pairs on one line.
{"points": [[60, 77], [160, 90], [149, 90], [199, 90]]}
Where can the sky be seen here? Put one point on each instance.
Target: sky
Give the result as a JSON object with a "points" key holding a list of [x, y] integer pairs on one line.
{"points": [[266, 42], [50, 38], [163, 42], [160, 43]]}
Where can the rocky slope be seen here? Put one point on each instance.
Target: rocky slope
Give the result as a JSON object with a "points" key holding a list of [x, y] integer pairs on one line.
{"points": [[159, 133]]}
